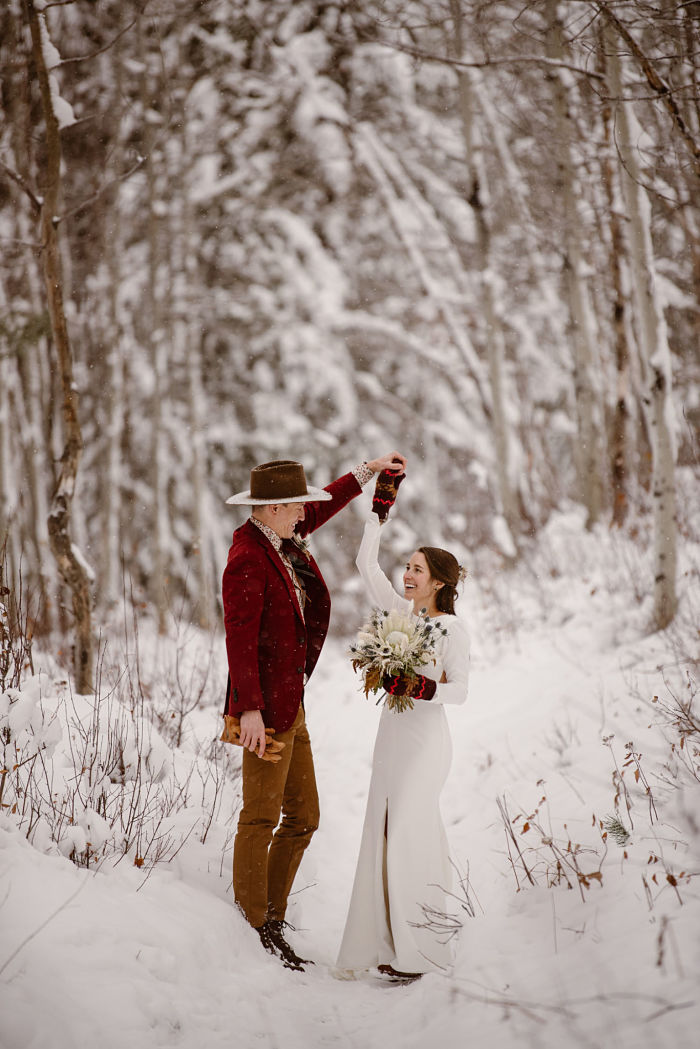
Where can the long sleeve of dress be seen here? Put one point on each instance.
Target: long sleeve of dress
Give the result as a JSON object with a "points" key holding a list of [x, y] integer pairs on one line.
{"points": [[454, 661], [381, 592]]}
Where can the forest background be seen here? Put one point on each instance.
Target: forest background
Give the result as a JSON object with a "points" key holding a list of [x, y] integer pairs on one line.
{"points": [[239, 230]]}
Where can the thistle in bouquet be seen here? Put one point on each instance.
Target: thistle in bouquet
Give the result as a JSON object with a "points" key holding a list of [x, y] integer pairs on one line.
{"points": [[393, 642]]}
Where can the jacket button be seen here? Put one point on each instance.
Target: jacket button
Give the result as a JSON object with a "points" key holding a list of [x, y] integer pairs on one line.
{"points": [[300, 670]]}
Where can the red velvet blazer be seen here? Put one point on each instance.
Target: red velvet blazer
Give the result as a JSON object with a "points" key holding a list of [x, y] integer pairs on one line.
{"points": [[270, 645]]}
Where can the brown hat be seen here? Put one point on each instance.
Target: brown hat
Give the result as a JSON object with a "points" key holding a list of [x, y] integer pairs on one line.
{"points": [[282, 481]]}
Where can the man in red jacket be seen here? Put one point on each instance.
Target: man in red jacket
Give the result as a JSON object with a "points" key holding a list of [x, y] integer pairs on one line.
{"points": [[276, 612]]}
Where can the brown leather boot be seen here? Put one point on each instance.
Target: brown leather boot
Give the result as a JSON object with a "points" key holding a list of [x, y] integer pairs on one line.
{"points": [[272, 938]]}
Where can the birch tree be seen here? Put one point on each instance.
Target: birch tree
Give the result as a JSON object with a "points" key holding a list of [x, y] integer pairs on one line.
{"points": [[619, 441], [9, 487], [186, 335], [575, 277], [478, 197], [71, 564], [155, 335], [652, 343]]}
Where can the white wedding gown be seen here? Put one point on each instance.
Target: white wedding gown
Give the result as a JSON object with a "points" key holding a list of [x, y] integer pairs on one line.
{"points": [[403, 869]]}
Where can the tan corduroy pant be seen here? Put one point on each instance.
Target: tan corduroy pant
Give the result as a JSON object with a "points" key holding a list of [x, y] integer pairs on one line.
{"points": [[266, 856]]}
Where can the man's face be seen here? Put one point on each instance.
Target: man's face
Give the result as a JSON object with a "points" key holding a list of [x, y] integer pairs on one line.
{"points": [[285, 517]]}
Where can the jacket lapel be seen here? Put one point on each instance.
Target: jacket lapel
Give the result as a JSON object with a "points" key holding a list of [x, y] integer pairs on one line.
{"points": [[277, 563]]}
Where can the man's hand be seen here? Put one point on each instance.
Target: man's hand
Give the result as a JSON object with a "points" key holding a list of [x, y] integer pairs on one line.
{"points": [[393, 461], [232, 734], [253, 731]]}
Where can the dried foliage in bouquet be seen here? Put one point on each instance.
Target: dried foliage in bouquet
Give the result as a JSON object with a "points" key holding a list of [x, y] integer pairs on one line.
{"points": [[394, 643]]}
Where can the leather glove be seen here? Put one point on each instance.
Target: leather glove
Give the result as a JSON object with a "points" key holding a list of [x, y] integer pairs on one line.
{"points": [[385, 491], [415, 687], [232, 734]]}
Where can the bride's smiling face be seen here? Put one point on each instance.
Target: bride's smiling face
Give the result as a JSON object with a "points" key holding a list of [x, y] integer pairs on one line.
{"points": [[418, 584]]}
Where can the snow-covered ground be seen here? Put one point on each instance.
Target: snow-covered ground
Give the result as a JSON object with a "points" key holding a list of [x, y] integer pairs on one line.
{"points": [[563, 679]]}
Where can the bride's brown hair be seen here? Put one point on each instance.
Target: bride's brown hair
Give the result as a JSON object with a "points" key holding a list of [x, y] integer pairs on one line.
{"points": [[444, 567]]}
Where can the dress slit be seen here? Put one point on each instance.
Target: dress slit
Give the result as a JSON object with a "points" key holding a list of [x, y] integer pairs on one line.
{"points": [[385, 878]]}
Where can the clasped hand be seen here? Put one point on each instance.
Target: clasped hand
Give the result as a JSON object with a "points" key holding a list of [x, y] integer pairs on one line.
{"points": [[392, 461], [416, 686]]}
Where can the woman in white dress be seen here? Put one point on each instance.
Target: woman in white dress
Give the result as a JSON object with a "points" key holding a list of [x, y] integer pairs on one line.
{"points": [[403, 870]]}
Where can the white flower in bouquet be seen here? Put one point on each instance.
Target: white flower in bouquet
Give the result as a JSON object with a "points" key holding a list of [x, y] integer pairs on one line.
{"points": [[397, 641], [394, 643]]}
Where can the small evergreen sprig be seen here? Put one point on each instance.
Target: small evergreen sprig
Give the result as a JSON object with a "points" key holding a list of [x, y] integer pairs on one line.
{"points": [[617, 830]]}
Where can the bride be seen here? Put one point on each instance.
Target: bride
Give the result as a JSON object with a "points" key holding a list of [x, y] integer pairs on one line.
{"points": [[403, 868]]}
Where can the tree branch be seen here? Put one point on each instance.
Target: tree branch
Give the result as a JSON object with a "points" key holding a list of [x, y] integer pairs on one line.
{"points": [[21, 182], [99, 192], [661, 89], [21, 243], [100, 50], [461, 63]]}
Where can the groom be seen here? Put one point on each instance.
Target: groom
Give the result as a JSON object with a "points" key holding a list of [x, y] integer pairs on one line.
{"points": [[276, 613]]}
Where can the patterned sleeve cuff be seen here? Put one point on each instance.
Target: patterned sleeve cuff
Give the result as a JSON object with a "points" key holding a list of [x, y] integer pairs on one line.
{"points": [[362, 474]]}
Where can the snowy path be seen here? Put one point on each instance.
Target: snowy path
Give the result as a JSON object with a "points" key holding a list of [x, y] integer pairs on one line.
{"points": [[167, 962]]}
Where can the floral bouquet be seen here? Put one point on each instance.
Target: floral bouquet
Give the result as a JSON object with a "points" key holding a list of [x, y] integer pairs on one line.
{"points": [[394, 643]]}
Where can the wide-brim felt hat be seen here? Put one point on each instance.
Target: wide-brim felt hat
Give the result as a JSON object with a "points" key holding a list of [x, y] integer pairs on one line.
{"points": [[281, 481]]}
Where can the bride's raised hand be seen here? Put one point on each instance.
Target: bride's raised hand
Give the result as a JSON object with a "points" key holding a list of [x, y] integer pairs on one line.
{"points": [[385, 491]]}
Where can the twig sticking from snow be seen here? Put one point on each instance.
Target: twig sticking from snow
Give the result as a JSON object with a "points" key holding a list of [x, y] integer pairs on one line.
{"points": [[43, 925], [502, 808]]}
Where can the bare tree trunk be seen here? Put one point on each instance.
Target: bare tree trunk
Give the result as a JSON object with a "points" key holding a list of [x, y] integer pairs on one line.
{"points": [[28, 372], [690, 221], [9, 482], [159, 475], [114, 429], [588, 443], [685, 70], [112, 488], [477, 196], [159, 480], [187, 345], [29, 407], [201, 546], [619, 441], [23, 476], [655, 357], [111, 479], [71, 564]]}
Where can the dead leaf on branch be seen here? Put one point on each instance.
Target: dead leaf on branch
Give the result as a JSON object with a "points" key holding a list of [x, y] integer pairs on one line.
{"points": [[593, 876]]}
